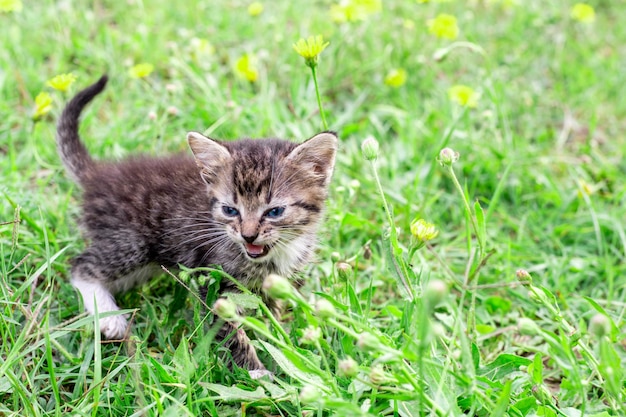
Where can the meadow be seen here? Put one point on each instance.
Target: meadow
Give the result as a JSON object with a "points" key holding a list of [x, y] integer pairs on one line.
{"points": [[472, 257]]}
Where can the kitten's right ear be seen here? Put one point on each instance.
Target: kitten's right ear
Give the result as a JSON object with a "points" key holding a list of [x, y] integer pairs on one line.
{"points": [[211, 156]]}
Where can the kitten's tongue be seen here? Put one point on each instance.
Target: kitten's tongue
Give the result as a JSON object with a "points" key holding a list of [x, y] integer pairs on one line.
{"points": [[254, 249]]}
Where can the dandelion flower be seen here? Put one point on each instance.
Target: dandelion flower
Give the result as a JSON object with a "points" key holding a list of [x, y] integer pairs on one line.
{"points": [[61, 82], [246, 68], [141, 70], [354, 10], [310, 48], [7, 6], [43, 104], [396, 77], [463, 95], [583, 12], [423, 230], [444, 26], [255, 8]]}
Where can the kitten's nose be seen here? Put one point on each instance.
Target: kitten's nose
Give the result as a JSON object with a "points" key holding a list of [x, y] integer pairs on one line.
{"points": [[249, 238]]}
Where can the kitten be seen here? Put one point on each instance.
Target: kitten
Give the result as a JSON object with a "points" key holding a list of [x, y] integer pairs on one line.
{"points": [[250, 206]]}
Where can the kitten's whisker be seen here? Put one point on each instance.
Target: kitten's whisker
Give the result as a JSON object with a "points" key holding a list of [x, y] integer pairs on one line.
{"points": [[207, 239]]}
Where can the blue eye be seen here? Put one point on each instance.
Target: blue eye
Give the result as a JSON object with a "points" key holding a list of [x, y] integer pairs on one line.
{"points": [[275, 212], [230, 211]]}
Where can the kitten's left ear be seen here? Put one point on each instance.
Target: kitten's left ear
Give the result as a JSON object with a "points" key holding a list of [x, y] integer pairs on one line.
{"points": [[317, 155], [210, 155]]}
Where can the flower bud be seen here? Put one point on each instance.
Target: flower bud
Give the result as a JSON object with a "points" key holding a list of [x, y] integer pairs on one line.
{"points": [[524, 277], [527, 327], [377, 375], [423, 230], [325, 308], [542, 394], [369, 147], [435, 291], [368, 341], [599, 325], [348, 367], [278, 287], [344, 270], [335, 256], [448, 156], [311, 335], [309, 394], [225, 309]]}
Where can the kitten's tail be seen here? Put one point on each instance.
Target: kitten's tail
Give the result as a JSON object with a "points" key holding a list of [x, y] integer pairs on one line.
{"points": [[73, 152]]}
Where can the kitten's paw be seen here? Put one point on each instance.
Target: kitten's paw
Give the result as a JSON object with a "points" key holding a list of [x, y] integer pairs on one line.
{"points": [[114, 327], [260, 373]]}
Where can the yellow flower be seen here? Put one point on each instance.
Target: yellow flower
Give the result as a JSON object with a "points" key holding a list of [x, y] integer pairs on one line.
{"points": [[141, 70], [43, 104], [246, 68], [396, 77], [444, 26], [310, 48], [423, 230], [7, 6], [583, 12], [506, 4], [255, 8], [463, 95], [584, 188], [353, 10], [61, 82]]}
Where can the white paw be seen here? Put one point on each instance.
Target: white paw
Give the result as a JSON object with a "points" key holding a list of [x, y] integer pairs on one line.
{"points": [[260, 373], [114, 327]]}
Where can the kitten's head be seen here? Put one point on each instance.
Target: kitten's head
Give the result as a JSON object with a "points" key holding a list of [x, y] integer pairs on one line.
{"points": [[268, 193]]}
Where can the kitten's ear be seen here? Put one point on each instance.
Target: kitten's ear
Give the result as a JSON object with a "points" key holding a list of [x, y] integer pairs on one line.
{"points": [[211, 156], [317, 155]]}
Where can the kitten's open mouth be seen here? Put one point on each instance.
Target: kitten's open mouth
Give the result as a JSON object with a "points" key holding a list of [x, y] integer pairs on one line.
{"points": [[256, 251]]}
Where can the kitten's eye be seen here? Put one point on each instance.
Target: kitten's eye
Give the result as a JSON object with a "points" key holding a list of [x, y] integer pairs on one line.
{"points": [[230, 211], [275, 212]]}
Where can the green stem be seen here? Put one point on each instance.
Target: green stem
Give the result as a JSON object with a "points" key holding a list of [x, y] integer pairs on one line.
{"points": [[319, 99], [457, 184], [399, 265]]}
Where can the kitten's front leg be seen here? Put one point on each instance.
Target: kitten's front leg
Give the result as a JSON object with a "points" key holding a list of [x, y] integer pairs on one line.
{"points": [[90, 283], [243, 353]]}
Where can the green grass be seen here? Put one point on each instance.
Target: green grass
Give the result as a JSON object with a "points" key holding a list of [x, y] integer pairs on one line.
{"points": [[542, 154]]}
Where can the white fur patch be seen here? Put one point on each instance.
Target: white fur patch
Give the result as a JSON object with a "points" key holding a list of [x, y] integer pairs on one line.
{"points": [[95, 295], [260, 373]]}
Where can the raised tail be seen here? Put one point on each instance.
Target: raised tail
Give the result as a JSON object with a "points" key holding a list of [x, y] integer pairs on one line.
{"points": [[73, 152]]}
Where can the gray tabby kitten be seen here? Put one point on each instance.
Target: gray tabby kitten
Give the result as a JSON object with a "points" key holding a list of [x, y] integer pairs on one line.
{"points": [[251, 206]]}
